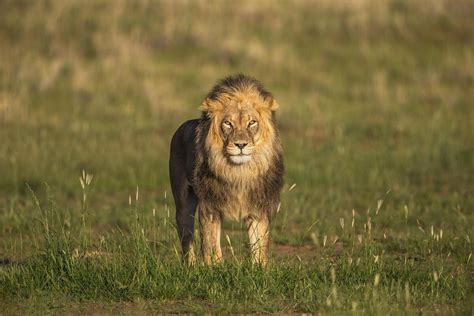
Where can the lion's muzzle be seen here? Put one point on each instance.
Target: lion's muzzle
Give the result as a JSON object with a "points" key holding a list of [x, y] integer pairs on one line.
{"points": [[240, 152]]}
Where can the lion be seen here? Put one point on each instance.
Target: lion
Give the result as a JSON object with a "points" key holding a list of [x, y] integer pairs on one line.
{"points": [[228, 164]]}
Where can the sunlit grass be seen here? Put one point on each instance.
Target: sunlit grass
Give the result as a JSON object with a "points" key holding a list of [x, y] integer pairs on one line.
{"points": [[361, 274]]}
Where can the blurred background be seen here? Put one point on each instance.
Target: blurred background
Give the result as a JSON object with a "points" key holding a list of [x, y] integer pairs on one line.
{"points": [[376, 103]]}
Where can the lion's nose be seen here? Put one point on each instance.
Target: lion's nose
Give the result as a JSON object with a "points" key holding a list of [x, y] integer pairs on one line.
{"points": [[240, 145]]}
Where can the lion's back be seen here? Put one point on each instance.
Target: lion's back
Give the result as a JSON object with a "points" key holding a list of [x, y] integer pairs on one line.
{"points": [[183, 153]]}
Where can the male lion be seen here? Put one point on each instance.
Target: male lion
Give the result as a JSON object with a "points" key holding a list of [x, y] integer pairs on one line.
{"points": [[228, 164]]}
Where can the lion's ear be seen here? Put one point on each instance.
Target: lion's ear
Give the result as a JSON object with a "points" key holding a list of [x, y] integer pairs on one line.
{"points": [[273, 105], [210, 106]]}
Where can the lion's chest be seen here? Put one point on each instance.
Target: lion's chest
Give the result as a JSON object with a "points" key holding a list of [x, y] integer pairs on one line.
{"points": [[237, 205]]}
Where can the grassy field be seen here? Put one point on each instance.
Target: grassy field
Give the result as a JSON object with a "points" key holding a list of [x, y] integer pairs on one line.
{"points": [[376, 120]]}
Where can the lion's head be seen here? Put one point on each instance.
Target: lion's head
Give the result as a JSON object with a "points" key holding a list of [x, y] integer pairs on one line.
{"points": [[240, 139]]}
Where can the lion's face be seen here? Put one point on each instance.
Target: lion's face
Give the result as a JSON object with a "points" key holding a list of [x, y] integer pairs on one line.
{"points": [[240, 132], [241, 140]]}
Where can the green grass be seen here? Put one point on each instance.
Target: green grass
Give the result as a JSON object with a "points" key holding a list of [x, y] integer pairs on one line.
{"points": [[376, 122]]}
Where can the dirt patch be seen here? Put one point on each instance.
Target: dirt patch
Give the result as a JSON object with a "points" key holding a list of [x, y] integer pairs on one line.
{"points": [[304, 252]]}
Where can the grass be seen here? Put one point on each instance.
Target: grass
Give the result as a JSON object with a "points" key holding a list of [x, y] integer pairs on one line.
{"points": [[376, 118], [364, 277]]}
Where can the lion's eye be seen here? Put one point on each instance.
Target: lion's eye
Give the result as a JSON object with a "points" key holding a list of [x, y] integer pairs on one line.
{"points": [[252, 123], [227, 124]]}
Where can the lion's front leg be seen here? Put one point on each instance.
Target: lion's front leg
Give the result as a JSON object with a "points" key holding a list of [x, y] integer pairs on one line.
{"points": [[258, 229], [210, 229]]}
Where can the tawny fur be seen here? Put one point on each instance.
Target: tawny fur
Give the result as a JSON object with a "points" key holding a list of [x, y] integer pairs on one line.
{"points": [[233, 167]]}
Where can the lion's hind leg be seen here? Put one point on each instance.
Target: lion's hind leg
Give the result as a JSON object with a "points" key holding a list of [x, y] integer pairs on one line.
{"points": [[185, 213], [185, 201]]}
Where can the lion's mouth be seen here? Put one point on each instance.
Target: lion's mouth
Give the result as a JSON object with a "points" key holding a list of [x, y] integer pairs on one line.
{"points": [[240, 158]]}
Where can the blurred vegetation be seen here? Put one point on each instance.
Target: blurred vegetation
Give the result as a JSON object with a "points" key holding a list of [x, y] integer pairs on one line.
{"points": [[376, 104]]}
